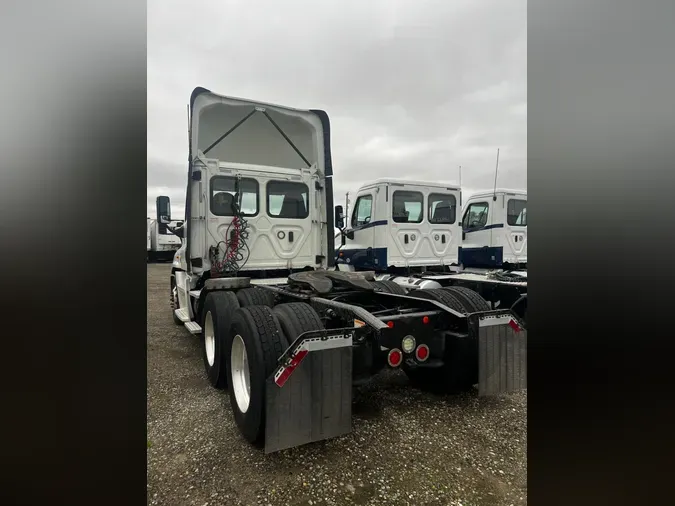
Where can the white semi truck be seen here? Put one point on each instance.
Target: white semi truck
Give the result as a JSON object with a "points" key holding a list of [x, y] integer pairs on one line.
{"points": [[162, 243], [494, 226], [415, 234], [397, 223], [285, 331]]}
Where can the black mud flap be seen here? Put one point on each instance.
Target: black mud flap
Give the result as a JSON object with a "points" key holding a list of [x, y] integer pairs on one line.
{"points": [[502, 348], [309, 397]]}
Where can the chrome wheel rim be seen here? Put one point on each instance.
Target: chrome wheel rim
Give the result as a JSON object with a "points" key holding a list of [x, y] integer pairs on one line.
{"points": [[241, 377], [209, 339], [174, 296]]}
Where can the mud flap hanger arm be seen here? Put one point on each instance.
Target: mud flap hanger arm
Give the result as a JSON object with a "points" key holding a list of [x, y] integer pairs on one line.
{"points": [[274, 123]]}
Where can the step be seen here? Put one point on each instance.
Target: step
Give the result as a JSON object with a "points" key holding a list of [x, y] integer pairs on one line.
{"points": [[193, 327], [195, 293], [182, 314]]}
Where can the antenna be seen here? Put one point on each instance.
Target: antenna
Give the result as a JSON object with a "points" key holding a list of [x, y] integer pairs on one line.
{"points": [[460, 185], [347, 205], [494, 195]]}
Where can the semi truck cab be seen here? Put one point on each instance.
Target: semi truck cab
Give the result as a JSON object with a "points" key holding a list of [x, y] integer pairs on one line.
{"points": [[398, 223]]}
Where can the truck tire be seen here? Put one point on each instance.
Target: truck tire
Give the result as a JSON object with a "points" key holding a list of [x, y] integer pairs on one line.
{"points": [[174, 302], [297, 318], [256, 342], [460, 364], [442, 296], [519, 307], [469, 298], [216, 320], [255, 296], [388, 286]]}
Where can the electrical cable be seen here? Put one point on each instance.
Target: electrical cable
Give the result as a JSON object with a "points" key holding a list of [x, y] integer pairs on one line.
{"points": [[229, 259]]}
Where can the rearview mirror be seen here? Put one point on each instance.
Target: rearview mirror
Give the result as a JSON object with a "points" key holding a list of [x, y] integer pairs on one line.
{"points": [[163, 210], [339, 217]]}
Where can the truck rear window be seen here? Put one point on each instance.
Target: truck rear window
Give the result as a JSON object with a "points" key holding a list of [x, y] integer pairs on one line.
{"points": [[286, 199], [516, 212], [442, 208], [223, 189], [407, 206]]}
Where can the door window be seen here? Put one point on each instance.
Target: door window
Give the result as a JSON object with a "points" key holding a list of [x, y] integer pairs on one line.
{"points": [[476, 215], [363, 210]]}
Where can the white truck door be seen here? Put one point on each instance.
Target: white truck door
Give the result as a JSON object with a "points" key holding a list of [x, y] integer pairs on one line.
{"points": [[477, 225], [407, 229], [445, 232], [360, 252]]}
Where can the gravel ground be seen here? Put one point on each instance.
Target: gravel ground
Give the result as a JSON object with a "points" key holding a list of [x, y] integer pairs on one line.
{"points": [[406, 446]]}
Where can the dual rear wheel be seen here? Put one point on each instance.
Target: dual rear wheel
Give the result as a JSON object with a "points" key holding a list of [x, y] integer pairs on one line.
{"points": [[243, 340], [244, 336]]}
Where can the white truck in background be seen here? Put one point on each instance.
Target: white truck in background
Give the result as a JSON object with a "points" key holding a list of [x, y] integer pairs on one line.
{"points": [[494, 227], [401, 224], [413, 233], [162, 243]]}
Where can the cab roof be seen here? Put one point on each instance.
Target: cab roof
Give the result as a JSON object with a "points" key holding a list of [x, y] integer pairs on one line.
{"points": [[499, 191], [412, 182]]}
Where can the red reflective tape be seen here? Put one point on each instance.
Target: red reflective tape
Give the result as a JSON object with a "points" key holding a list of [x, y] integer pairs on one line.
{"points": [[286, 373], [288, 370], [299, 356], [514, 325]]}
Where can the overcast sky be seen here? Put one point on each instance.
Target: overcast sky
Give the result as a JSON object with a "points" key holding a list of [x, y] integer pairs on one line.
{"points": [[413, 88]]}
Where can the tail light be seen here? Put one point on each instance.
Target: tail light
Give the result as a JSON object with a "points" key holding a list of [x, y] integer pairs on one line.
{"points": [[395, 357], [422, 352]]}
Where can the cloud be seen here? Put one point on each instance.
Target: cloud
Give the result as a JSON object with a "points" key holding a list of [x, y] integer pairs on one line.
{"points": [[413, 89]]}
